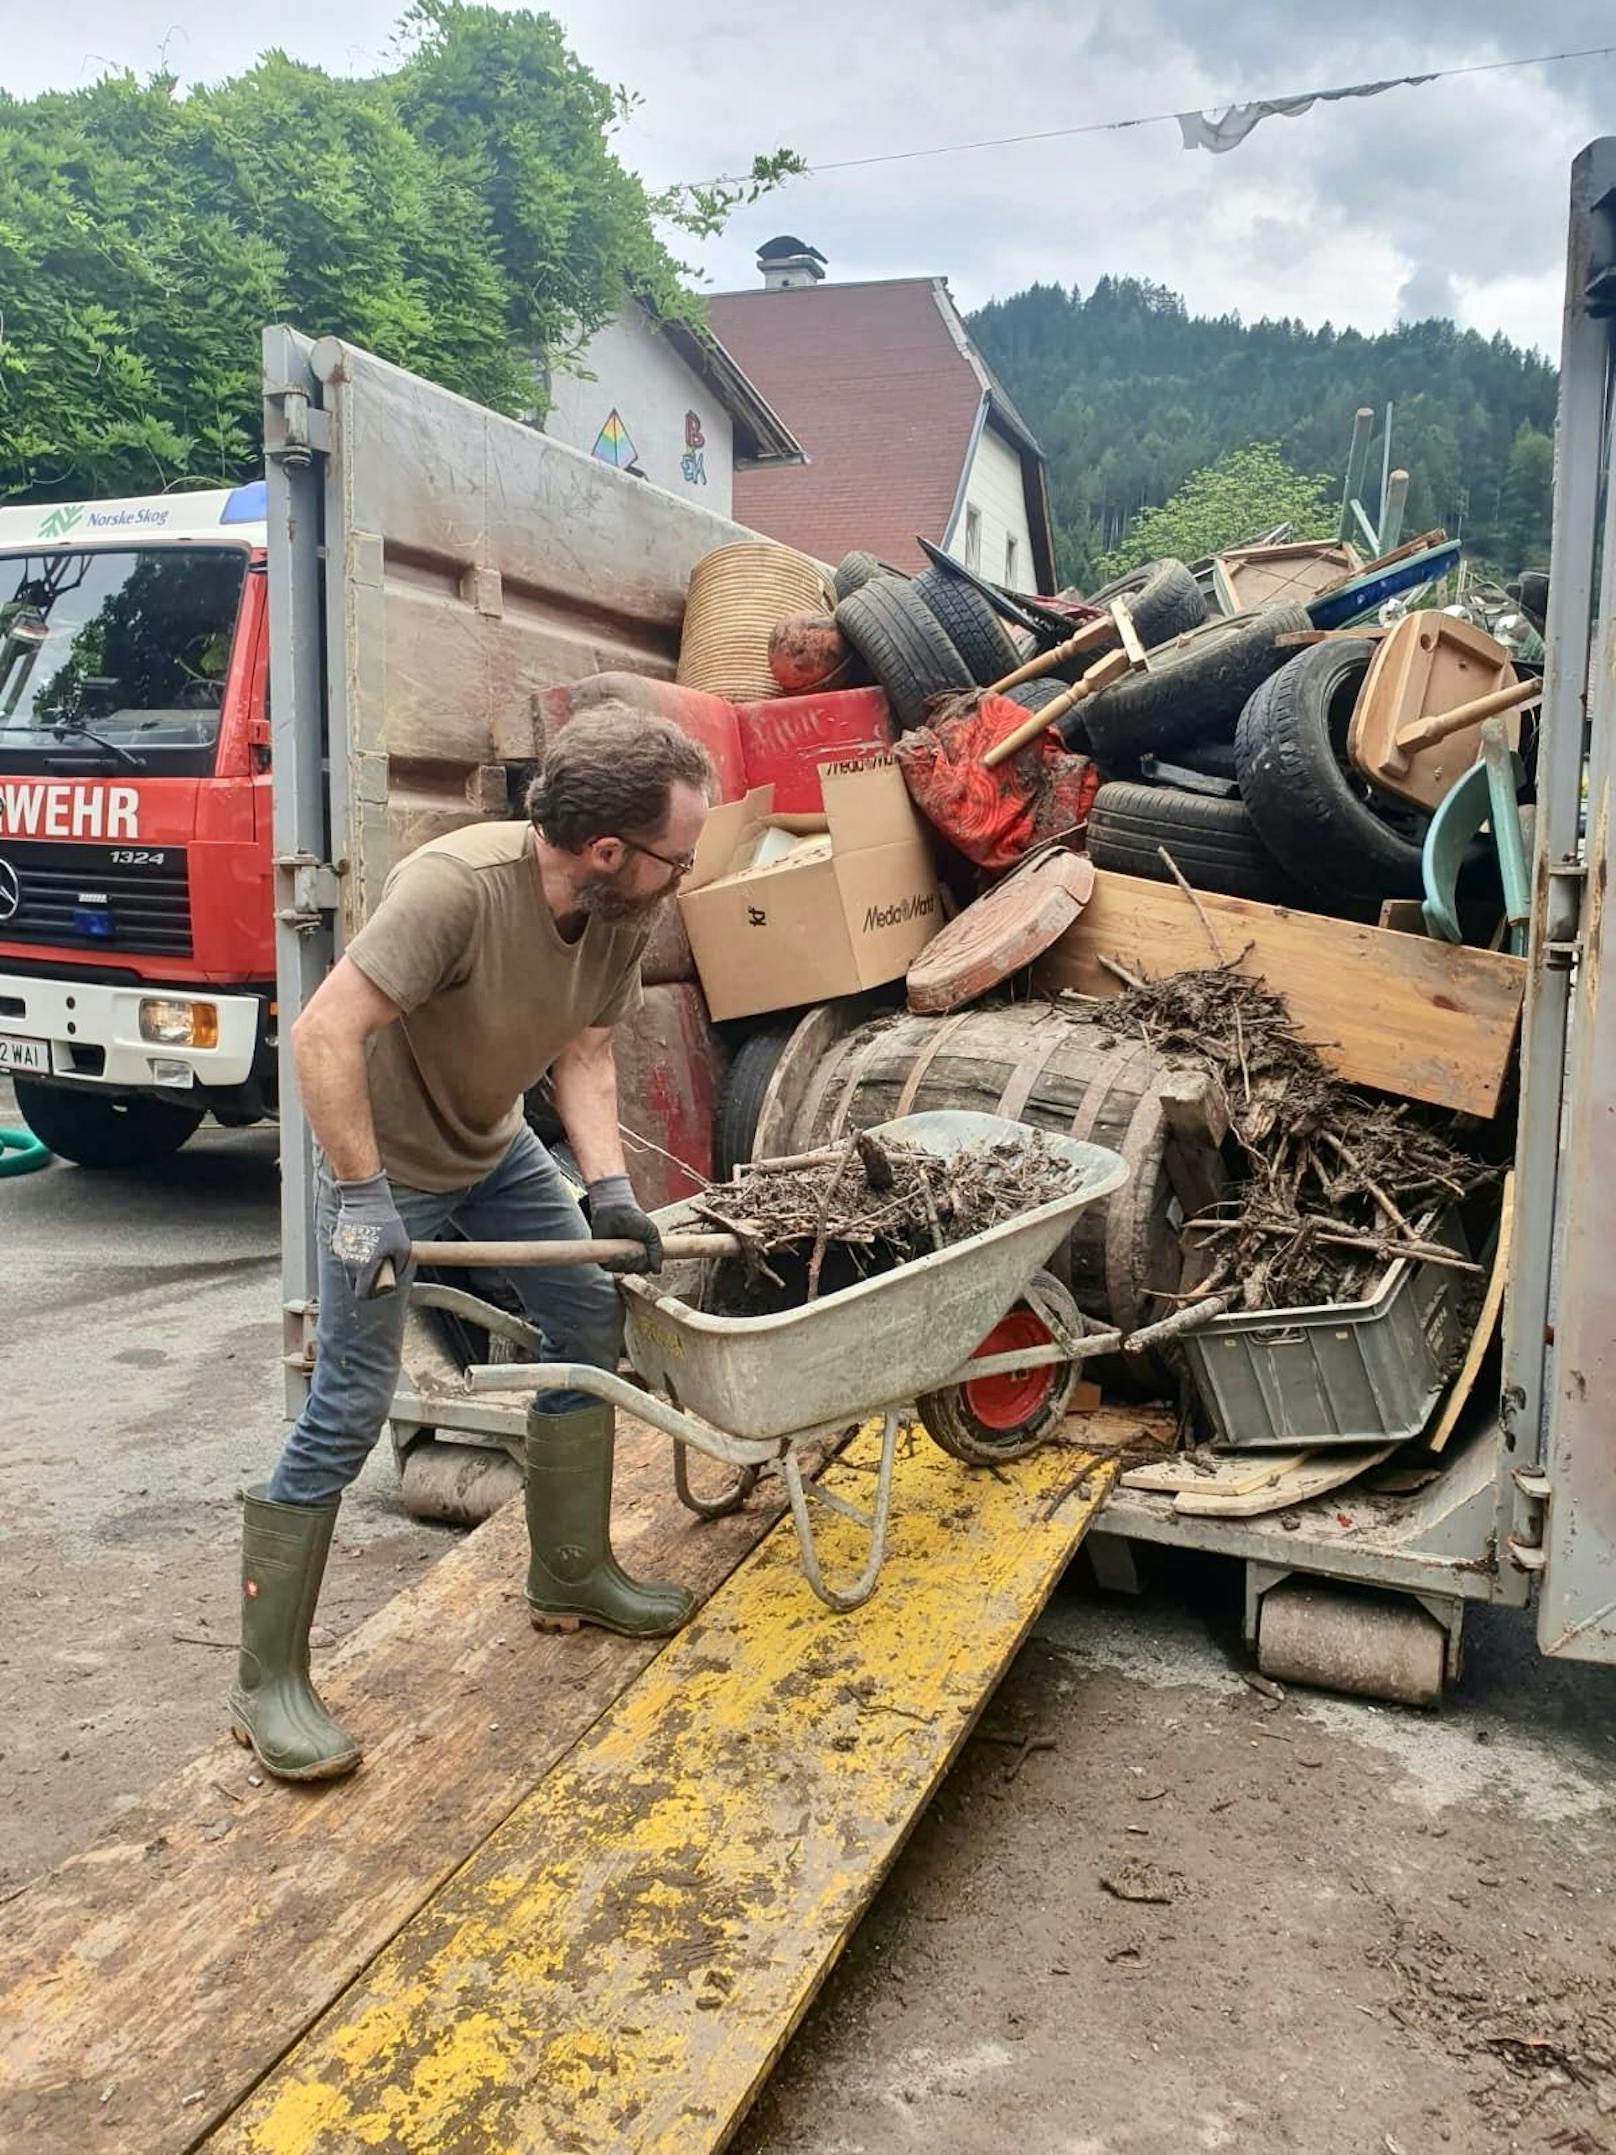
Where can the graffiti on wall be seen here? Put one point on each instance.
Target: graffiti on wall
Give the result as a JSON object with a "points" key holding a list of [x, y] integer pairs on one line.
{"points": [[615, 445], [693, 464]]}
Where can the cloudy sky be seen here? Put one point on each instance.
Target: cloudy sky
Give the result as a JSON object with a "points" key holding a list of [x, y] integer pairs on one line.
{"points": [[1445, 199]]}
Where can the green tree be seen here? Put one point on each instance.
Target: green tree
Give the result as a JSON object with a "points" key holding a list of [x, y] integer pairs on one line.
{"points": [[1245, 492], [463, 216], [1099, 377], [1526, 508]]}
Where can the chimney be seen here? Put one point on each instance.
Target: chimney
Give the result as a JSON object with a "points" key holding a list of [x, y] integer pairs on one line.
{"points": [[787, 262]]}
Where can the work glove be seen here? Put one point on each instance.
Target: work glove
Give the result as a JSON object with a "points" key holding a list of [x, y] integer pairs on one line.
{"points": [[615, 1217], [369, 1240]]}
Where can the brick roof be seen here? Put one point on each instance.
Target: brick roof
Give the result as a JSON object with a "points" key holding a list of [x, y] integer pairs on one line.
{"points": [[873, 383]]}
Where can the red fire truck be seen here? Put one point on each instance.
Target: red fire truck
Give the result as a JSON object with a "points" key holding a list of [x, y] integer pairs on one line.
{"points": [[137, 966]]}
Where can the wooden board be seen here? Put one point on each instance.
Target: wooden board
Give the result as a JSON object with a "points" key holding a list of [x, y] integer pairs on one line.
{"points": [[1264, 575], [1492, 1306], [1006, 928], [1319, 1473], [1430, 662], [620, 1965], [1229, 1474], [1433, 1021], [182, 1953]]}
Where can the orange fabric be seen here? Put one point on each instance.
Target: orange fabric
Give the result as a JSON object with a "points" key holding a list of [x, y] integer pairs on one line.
{"points": [[994, 817]]}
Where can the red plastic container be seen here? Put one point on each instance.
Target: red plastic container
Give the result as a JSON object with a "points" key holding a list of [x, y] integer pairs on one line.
{"points": [[708, 719], [785, 740]]}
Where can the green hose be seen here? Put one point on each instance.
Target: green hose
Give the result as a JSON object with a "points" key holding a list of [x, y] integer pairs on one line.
{"points": [[21, 1152]]}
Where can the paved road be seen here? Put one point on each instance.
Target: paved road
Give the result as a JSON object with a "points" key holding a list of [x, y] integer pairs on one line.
{"points": [[139, 1330], [1386, 1930]]}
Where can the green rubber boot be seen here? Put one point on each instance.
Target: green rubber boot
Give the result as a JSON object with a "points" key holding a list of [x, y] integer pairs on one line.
{"points": [[573, 1577], [273, 1705]]}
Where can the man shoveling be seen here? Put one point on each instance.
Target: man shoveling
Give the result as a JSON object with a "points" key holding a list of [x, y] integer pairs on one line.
{"points": [[498, 954]]}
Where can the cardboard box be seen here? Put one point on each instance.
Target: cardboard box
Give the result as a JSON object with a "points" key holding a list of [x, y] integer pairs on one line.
{"points": [[832, 914]]}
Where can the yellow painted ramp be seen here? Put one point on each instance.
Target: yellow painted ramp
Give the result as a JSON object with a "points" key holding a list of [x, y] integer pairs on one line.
{"points": [[621, 1962]]}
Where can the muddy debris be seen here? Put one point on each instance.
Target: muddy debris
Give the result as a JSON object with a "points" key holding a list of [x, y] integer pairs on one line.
{"points": [[1336, 1184], [817, 1221]]}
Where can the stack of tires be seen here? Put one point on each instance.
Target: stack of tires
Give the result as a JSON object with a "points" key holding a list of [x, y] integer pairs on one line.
{"points": [[1164, 741], [923, 636], [1267, 803], [1228, 750]]}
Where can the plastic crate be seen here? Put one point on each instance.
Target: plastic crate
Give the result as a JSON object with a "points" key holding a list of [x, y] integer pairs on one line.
{"points": [[1341, 1373]]}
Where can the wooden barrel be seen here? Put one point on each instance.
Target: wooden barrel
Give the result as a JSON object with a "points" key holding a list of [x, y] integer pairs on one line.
{"points": [[1056, 1071]]}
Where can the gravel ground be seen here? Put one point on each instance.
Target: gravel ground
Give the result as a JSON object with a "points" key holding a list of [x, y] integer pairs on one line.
{"points": [[1368, 1930]]}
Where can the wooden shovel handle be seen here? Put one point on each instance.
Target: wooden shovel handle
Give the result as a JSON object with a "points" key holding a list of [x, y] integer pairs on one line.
{"points": [[496, 1256]]}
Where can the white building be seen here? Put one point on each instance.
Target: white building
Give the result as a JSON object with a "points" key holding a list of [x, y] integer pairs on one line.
{"points": [[669, 404]]}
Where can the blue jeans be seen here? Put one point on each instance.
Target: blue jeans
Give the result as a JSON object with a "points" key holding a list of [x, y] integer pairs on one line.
{"points": [[575, 1307]]}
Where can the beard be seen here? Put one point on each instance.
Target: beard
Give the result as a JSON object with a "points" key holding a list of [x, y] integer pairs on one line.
{"points": [[603, 897]]}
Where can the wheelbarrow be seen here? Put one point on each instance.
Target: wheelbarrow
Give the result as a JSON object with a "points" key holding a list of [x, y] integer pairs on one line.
{"points": [[754, 1392]]}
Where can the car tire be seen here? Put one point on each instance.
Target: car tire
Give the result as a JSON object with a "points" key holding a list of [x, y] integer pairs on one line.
{"points": [[895, 634], [1164, 600], [746, 1084], [1194, 688], [1214, 842], [1213, 759], [104, 1131], [853, 572], [970, 624], [1035, 695], [1319, 820]]}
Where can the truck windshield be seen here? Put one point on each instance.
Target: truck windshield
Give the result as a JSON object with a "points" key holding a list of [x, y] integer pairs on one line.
{"points": [[128, 646]]}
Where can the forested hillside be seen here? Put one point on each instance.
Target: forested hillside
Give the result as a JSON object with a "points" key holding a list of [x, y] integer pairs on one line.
{"points": [[1130, 394]]}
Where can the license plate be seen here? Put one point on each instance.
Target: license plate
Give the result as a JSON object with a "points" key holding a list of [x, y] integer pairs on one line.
{"points": [[18, 1054]]}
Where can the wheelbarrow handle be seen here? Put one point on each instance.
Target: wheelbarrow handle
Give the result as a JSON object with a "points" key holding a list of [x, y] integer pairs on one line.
{"points": [[499, 1256], [502, 1256]]}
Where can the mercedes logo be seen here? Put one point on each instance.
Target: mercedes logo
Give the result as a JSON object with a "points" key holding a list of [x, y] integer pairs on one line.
{"points": [[10, 891]]}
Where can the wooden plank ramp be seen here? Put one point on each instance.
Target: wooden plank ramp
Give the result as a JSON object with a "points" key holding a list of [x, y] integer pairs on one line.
{"points": [[176, 1958], [621, 1963]]}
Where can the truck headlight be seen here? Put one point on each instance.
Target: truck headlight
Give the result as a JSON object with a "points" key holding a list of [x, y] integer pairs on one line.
{"points": [[169, 1022]]}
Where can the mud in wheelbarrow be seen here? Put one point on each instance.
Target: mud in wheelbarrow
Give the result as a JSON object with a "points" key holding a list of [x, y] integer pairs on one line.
{"points": [[752, 1391]]}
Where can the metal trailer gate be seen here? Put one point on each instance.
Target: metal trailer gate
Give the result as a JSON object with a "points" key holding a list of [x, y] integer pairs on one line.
{"points": [[1531, 1497]]}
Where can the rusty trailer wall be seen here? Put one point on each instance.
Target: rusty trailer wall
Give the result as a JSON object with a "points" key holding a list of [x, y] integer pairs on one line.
{"points": [[434, 567], [474, 562]]}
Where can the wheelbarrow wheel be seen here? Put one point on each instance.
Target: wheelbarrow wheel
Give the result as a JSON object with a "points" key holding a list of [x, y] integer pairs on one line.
{"points": [[1005, 1417]]}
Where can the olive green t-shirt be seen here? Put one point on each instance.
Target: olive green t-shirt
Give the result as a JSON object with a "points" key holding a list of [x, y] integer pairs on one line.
{"points": [[466, 945]]}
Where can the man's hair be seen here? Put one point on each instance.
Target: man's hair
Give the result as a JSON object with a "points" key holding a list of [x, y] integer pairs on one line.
{"points": [[610, 774]]}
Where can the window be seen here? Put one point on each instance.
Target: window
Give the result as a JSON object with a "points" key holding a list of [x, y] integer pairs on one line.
{"points": [[123, 647], [1010, 561], [973, 538]]}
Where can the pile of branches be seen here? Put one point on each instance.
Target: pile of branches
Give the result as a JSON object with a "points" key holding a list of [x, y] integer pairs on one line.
{"points": [[878, 1201], [1336, 1185]]}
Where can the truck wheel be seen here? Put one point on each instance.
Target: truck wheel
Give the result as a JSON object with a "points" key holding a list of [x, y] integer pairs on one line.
{"points": [[1005, 1417], [96, 1132]]}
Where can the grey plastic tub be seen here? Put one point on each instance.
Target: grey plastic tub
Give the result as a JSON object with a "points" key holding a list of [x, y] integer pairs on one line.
{"points": [[1341, 1373]]}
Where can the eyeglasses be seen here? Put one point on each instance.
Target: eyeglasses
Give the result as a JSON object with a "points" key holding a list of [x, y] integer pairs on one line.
{"points": [[680, 863]]}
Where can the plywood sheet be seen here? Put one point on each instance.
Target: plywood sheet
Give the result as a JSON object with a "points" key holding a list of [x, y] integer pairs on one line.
{"points": [[1432, 1021], [624, 1960], [175, 1959]]}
